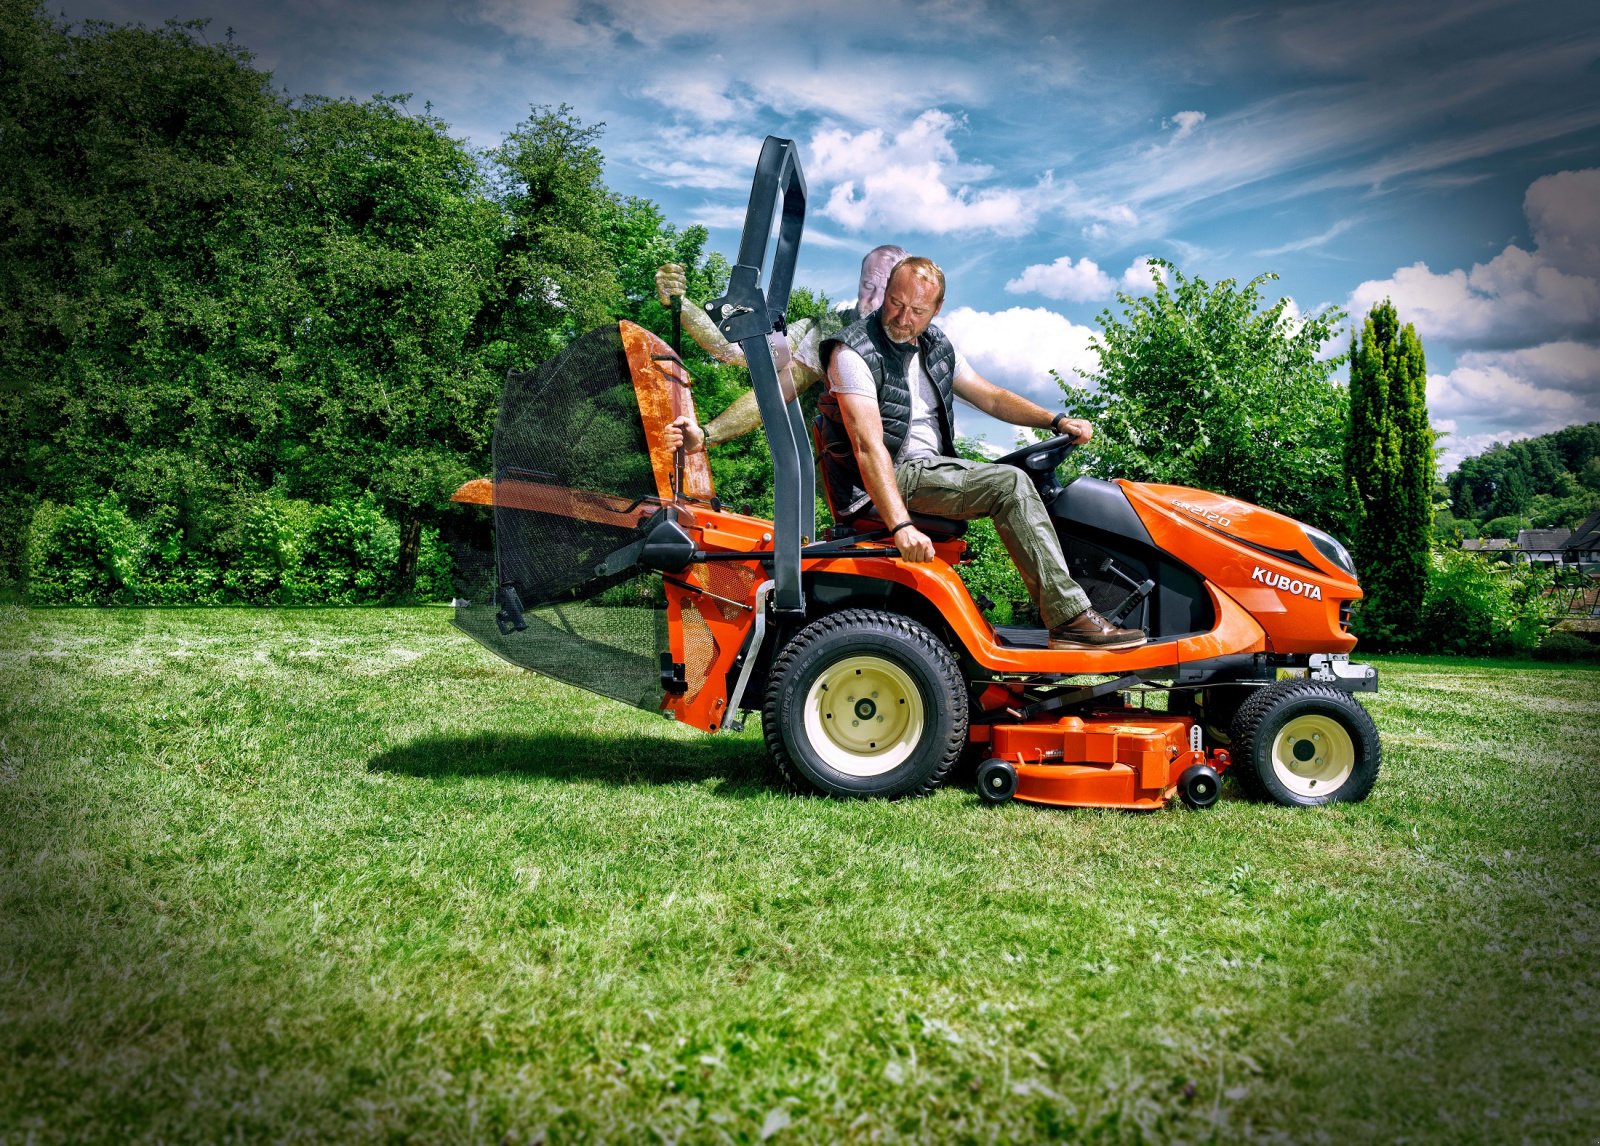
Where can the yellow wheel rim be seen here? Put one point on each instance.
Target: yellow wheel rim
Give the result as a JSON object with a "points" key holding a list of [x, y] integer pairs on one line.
{"points": [[1313, 755], [864, 716]]}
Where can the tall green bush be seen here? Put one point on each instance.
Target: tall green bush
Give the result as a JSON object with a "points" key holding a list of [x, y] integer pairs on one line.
{"points": [[280, 551], [1212, 386], [348, 556], [1389, 464], [87, 553]]}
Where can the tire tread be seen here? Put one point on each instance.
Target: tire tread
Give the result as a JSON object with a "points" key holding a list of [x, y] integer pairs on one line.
{"points": [[901, 628]]}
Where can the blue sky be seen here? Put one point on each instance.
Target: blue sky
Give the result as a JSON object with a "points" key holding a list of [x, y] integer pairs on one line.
{"points": [[1446, 155]]}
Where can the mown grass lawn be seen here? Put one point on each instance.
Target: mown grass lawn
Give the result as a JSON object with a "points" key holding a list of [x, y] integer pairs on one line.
{"points": [[343, 875]]}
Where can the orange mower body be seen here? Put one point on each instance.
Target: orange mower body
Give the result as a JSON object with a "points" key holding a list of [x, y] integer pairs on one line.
{"points": [[619, 570]]}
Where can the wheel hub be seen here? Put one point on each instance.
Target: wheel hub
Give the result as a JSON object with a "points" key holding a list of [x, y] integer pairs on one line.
{"points": [[1313, 754], [864, 715]]}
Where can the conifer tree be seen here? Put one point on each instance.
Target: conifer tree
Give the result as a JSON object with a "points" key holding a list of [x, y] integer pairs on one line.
{"points": [[1389, 466]]}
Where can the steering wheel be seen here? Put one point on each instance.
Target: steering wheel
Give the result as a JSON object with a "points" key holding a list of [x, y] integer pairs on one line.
{"points": [[1040, 457]]}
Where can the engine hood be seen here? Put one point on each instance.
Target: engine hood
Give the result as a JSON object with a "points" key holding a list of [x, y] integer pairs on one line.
{"points": [[1268, 562]]}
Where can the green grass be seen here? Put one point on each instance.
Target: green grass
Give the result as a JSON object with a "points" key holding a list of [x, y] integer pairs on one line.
{"points": [[343, 875]]}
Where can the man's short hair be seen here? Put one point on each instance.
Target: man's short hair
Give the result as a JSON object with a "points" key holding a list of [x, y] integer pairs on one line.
{"points": [[925, 269]]}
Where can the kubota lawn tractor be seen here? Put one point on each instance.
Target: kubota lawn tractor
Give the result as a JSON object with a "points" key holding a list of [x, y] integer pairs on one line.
{"points": [[620, 571]]}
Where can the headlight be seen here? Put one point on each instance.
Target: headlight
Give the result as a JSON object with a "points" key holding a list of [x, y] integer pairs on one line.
{"points": [[1329, 547]]}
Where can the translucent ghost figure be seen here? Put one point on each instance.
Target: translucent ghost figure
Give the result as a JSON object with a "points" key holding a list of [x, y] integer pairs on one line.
{"points": [[797, 354]]}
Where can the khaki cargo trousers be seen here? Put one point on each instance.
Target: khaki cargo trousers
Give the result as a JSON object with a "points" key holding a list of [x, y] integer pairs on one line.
{"points": [[953, 487]]}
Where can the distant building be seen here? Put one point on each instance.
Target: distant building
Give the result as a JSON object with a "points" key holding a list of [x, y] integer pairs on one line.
{"points": [[1583, 547], [1542, 546]]}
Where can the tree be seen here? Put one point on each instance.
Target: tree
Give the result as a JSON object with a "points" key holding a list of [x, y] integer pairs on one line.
{"points": [[1206, 386], [1389, 465], [384, 251], [132, 165]]}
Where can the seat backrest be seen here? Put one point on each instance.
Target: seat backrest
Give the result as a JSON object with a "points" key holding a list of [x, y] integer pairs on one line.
{"points": [[866, 520]]}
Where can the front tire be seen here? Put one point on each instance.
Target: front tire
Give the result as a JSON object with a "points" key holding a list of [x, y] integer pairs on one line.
{"points": [[865, 704], [1300, 743]]}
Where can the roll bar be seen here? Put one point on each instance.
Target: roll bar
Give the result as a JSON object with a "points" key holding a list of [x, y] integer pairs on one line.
{"points": [[746, 315]]}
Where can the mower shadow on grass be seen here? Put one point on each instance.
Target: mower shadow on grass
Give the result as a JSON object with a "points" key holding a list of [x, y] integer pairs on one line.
{"points": [[741, 766]]}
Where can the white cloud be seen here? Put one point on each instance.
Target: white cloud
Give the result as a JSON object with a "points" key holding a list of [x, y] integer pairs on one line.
{"points": [[681, 157], [1186, 122], [1082, 281], [1518, 296], [913, 181], [1139, 278], [1310, 243], [700, 96], [1495, 396], [1018, 347]]}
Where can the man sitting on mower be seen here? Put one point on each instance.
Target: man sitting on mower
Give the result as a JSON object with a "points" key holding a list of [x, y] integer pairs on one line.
{"points": [[889, 437]]}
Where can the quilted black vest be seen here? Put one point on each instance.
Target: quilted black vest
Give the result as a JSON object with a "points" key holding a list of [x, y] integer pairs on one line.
{"points": [[867, 338]]}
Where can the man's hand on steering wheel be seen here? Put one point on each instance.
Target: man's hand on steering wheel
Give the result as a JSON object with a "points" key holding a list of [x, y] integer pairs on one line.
{"points": [[1078, 429]]}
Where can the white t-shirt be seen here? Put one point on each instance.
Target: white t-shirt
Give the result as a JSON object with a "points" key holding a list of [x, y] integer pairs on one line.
{"points": [[852, 375]]}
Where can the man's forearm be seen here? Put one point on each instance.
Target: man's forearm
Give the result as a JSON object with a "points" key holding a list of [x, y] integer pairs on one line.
{"points": [[708, 337], [744, 414], [1020, 411], [877, 476]]}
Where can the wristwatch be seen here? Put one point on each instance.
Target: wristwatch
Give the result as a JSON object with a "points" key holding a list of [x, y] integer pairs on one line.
{"points": [[1055, 423]]}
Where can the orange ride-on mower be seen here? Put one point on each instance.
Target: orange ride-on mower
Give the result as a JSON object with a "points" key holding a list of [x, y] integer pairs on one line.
{"points": [[619, 570]]}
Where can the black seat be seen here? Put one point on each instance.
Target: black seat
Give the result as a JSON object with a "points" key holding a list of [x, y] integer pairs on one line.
{"points": [[867, 521]]}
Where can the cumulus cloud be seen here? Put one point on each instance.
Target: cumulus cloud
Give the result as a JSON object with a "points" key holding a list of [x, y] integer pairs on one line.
{"points": [[1081, 281], [1140, 276], [1519, 296], [914, 181], [1498, 396], [1018, 347]]}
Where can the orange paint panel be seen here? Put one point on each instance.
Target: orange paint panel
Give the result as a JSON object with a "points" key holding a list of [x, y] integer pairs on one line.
{"points": [[1112, 761], [661, 385], [1295, 608]]}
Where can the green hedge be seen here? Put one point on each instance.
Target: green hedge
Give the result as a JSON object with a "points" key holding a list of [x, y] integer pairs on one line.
{"points": [[280, 551]]}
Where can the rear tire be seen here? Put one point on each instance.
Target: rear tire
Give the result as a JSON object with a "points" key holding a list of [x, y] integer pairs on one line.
{"points": [[865, 704], [1300, 743]]}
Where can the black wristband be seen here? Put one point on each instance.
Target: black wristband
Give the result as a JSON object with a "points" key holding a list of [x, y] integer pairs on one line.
{"points": [[1057, 419], [901, 526]]}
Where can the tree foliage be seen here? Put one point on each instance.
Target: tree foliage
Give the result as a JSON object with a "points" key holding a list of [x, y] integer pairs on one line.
{"points": [[1389, 465], [1209, 386], [210, 293], [1543, 482]]}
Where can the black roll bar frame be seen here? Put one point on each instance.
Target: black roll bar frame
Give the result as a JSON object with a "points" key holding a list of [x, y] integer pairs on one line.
{"points": [[746, 315]]}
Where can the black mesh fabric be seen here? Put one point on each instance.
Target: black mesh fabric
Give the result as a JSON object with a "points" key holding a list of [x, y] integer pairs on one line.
{"points": [[572, 486]]}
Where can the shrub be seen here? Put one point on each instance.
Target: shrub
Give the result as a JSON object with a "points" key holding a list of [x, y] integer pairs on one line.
{"points": [[88, 553], [1476, 608], [434, 567], [264, 548], [991, 574], [1560, 646], [348, 556], [1505, 528]]}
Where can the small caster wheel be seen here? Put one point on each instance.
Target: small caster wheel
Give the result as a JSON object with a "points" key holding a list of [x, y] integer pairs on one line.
{"points": [[997, 781], [1199, 786]]}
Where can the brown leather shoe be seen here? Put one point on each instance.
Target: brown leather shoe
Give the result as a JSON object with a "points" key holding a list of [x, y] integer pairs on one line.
{"points": [[1089, 630]]}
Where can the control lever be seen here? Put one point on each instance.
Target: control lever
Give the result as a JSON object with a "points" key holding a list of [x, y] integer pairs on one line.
{"points": [[1136, 597]]}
